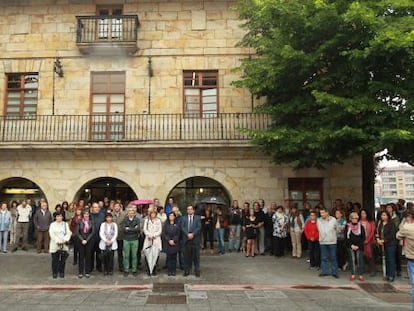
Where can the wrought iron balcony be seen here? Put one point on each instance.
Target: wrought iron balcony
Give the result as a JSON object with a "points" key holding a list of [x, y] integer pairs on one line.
{"points": [[120, 128], [107, 35]]}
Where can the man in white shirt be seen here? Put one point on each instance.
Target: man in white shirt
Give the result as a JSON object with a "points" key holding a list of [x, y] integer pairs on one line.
{"points": [[24, 213]]}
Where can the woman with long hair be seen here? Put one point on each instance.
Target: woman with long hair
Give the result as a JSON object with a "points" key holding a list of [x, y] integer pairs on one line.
{"points": [[386, 239], [152, 229], [369, 225], [251, 224], [75, 241], [171, 239], [85, 232]]}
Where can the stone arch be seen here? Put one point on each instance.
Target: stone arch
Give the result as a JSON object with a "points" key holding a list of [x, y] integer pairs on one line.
{"points": [[228, 182], [111, 187], [86, 177], [18, 188], [194, 189]]}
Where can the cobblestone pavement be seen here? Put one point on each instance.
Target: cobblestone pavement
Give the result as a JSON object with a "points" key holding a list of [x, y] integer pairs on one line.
{"points": [[228, 282]]}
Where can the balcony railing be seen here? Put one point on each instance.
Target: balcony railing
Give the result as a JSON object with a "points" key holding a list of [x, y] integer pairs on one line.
{"points": [[107, 34], [131, 128]]}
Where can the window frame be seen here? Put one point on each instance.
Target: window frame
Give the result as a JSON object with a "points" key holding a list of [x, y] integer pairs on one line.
{"points": [[106, 118], [305, 185], [21, 115], [198, 78]]}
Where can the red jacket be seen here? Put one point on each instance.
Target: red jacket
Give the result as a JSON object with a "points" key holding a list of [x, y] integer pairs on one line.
{"points": [[311, 231]]}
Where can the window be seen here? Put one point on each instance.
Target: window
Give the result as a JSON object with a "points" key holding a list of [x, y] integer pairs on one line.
{"points": [[108, 105], [21, 99], [109, 23], [200, 94], [303, 190]]}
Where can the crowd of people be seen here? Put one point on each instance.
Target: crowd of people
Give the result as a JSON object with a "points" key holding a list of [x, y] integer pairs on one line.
{"points": [[97, 230], [344, 237]]}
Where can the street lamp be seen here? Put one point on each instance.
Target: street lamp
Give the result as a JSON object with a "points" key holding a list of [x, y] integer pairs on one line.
{"points": [[57, 70]]}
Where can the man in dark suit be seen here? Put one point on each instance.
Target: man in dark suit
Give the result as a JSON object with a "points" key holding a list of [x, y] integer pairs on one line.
{"points": [[191, 235]]}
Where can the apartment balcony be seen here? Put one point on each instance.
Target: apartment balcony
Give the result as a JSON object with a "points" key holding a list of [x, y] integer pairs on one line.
{"points": [[112, 35], [137, 130]]}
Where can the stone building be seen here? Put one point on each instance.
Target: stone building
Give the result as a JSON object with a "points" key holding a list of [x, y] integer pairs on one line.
{"points": [[134, 98]]}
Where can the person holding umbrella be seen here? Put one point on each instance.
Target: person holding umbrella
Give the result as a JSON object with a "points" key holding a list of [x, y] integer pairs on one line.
{"points": [[152, 243], [108, 232], [58, 247]]}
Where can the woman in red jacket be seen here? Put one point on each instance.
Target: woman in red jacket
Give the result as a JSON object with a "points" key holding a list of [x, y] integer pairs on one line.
{"points": [[312, 235]]}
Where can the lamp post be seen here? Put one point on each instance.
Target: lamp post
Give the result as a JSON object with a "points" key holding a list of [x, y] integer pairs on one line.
{"points": [[57, 70]]}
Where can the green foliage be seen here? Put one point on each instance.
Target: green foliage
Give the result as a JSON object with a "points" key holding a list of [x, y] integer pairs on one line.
{"points": [[338, 77]]}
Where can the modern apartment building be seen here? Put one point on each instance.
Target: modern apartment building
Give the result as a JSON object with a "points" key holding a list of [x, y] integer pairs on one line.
{"points": [[134, 98], [396, 182]]}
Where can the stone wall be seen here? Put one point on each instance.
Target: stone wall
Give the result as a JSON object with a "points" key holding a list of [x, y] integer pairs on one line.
{"points": [[154, 173], [177, 35]]}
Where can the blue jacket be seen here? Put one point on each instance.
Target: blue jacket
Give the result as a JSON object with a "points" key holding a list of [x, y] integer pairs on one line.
{"points": [[5, 221]]}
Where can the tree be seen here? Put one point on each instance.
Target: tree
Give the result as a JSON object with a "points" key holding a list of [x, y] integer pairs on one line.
{"points": [[338, 78]]}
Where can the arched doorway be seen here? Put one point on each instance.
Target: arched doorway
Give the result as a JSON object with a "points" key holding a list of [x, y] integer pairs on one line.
{"points": [[112, 188], [18, 188], [194, 189]]}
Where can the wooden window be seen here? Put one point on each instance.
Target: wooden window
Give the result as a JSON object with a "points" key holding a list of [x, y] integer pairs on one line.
{"points": [[21, 97], [200, 94], [303, 190], [107, 105], [109, 23]]}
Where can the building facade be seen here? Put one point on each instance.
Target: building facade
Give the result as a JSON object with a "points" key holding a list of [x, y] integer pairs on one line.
{"points": [[394, 183], [134, 98]]}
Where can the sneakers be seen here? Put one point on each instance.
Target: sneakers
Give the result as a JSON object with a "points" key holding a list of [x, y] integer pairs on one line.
{"points": [[361, 278], [352, 278]]}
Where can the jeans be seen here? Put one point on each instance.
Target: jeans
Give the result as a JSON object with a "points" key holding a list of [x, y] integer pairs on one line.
{"points": [[130, 255], [3, 240], [359, 256], [260, 240], [410, 269], [234, 237], [390, 260], [220, 239], [328, 254]]}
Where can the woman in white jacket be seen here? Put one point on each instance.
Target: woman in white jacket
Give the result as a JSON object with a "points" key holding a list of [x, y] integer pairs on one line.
{"points": [[152, 230], [108, 233], [58, 246]]}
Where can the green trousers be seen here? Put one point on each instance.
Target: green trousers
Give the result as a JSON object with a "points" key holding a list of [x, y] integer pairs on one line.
{"points": [[130, 255]]}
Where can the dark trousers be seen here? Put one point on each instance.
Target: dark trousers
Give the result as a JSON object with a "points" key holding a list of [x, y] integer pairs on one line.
{"points": [[140, 246], [58, 265], [96, 251], [172, 262], [341, 253], [208, 234], [279, 245], [120, 253], [75, 250], [108, 260], [42, 241], [85, 258], [314, 253], [191, 252], [398, 255]]}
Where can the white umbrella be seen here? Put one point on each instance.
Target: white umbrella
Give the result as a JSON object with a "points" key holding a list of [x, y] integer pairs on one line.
{"points": [[151, 253]]}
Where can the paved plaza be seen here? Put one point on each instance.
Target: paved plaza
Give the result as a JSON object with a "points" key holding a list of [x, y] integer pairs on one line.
{"points": [[228, 282]]}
